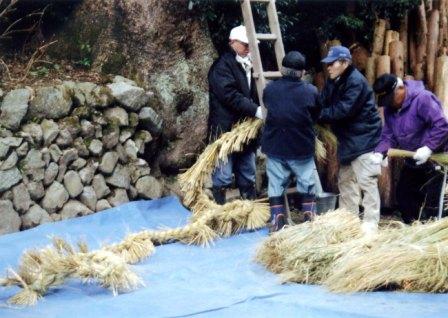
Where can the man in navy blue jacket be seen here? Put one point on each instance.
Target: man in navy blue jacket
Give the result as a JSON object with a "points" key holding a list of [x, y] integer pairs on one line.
{"points": [[288, 137], [349, 106], [233, 97]]}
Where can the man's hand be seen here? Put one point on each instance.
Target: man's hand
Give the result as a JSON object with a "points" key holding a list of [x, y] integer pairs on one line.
{"points": [[422, 155], [259, 113]]}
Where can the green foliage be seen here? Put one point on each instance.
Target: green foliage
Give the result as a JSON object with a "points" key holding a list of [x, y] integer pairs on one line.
{"points": [[85, 53], [40, 71]]}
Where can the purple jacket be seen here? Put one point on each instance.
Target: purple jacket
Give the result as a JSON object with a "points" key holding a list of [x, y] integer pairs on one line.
{"points": [[420, 122]]}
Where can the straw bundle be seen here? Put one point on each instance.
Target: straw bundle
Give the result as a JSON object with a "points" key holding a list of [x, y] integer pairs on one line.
{"points": [[416, 258], [51, 266], [305, 252], [192, 181]]}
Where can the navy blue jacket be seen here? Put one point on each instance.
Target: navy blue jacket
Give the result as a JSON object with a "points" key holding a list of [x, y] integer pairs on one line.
{"points": [[231, 99], [348, 104], [292, 107]]}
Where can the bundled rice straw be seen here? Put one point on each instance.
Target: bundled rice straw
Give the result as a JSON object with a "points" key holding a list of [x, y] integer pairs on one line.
{"points": [[51, 266], [192, 181], [325, 140], [440, 158], [305, 252], [416, 258]]}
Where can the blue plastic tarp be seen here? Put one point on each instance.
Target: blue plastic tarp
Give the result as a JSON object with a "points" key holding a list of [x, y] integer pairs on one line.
{"points": [[190, 281]]}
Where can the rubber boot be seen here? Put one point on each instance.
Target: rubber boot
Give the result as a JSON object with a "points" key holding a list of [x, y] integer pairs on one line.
{"points": [[248, 192], [219, 194], [278, 214], [309, 207]]}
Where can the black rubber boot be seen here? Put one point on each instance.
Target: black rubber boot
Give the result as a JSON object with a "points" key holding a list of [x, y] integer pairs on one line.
{"points": [[219, 194], [248, 192], [278, 214]]}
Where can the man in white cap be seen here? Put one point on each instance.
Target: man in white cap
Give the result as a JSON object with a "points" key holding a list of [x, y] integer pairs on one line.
{"points": [[233, 97]]}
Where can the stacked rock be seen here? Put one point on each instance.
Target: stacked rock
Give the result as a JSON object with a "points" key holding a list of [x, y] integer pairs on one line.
{"points": [[74, 149]]}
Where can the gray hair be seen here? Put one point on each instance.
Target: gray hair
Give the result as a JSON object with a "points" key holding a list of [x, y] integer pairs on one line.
{"points": [[290, 72]]}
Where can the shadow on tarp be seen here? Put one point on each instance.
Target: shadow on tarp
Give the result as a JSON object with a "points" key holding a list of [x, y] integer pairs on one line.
{"points": [[190, 281]]}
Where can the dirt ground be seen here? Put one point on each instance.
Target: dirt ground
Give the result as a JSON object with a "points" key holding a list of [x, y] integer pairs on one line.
{"points": [[16, 72]]}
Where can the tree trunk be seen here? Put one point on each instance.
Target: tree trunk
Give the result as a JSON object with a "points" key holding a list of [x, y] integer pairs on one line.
{"points": [[382, 65], [161, 45], [433, 37], [396, 53], [370, 69], [390, 36], [378, 36], [419, 72]]}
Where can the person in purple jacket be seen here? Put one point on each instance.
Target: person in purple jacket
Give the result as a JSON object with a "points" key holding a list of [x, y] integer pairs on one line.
{"points": [[413, 120]]}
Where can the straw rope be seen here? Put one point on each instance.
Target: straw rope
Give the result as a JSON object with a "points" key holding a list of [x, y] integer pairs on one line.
{"points": [[42, 269]]}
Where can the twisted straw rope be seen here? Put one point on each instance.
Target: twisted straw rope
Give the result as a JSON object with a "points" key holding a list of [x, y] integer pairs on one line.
{"points": [[48, 267]]}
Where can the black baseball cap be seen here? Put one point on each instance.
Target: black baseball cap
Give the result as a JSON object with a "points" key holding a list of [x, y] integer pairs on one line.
{"points": [[384, 88]]}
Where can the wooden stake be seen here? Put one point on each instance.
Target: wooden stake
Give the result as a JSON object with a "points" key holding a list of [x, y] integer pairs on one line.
{"points": [[404, 39], [396, 53], [441, 81], [421, 43], [390, 36], [370, 69], [383, 65], [433, 37], [378, 36]]}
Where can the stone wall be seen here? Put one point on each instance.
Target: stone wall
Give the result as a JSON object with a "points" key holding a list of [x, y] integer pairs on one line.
{"points": [[74, 149]]}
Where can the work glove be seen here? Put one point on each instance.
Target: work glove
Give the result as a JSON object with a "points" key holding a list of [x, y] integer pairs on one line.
{"points": [[422, 155], [377, 158], [259, 113]]}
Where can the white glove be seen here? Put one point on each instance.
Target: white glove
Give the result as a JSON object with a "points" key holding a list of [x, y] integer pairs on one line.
{"points": [[259, 113], [376, 158], [422, 155]]}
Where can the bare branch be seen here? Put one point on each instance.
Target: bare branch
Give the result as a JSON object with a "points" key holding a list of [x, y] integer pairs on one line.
{"points": [[8, 8], [37, 55], [2, 63], [10, 29]]}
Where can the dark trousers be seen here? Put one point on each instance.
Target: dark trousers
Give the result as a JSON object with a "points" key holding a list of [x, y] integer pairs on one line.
{"points": [[418, 189]]}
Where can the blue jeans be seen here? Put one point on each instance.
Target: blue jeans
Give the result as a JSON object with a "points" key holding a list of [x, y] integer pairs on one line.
{"points": [[279, 172], [242, 164]]}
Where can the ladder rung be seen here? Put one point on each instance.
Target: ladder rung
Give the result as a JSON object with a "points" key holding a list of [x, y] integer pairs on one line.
{"points": [[266, 36], [269, 75]]}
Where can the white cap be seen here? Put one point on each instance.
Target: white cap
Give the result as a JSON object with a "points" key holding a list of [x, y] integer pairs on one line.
{"points": [[239, 33]]}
